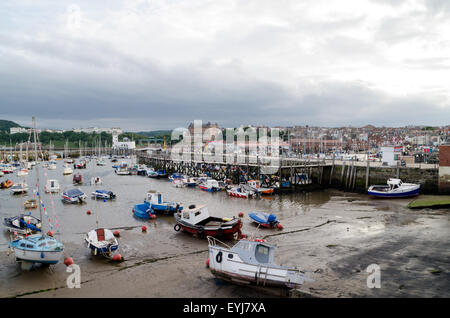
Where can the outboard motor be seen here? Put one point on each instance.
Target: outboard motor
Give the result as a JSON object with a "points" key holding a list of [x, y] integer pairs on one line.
{"points": [[272, 219]]}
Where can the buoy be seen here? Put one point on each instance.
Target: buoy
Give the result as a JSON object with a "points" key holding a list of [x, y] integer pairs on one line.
{"points": [[117, 258], [50, 233], [243, 236], [207, 263], [279, 226], [241, 214], [116, 233], [152, 216], [88, 212], [68, 261], [144, 228]]}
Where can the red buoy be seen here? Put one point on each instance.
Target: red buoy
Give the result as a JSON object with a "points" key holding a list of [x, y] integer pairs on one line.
{"points": [[207, 263], [50, 233], [117, 258], [68, 261], [243, 236], [144, 228], [152, 216], [88, 212], [241, 214], [279, 226], [116, 233]]}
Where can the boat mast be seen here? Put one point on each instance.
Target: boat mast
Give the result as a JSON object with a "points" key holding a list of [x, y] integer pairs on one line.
{"points": [[37, 175]]}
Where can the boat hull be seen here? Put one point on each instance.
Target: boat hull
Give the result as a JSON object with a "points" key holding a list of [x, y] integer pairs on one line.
{"points": [[403, 194]]}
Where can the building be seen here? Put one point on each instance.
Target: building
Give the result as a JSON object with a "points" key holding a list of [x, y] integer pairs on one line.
{"points": [[17, 130], [391, 155], [122, 145]]}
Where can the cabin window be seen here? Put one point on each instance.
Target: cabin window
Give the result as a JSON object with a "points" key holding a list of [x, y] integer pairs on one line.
{"points": [[185, 215], [51, 243], [22, 245], [30, 246], [262, 254], [42, 244], [230, 255], [197, 213]]}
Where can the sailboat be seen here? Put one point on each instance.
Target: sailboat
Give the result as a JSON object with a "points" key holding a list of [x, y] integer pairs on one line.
{"points": [[37, 248]]}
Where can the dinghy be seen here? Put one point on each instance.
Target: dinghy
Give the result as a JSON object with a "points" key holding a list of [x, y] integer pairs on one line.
{"points": [[30, 204], [52, 186], [77, 178], [19, 188], [143, 211], [265, 219], [96, 181]]}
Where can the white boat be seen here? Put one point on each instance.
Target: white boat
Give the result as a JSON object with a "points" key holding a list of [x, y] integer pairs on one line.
{"points": [[52, 166], [67, 170], [22, 172], [23, 224], [2, 173], [52, 186], [96, 180], [19, 188], [101, 242], [251, 262], [122, 169], [238, 192], [394, 188]]}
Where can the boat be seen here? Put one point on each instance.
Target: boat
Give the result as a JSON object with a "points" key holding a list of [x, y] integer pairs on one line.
{"points": [[144, 210], [6, 169], [80, 165], [255, 185], [52, 165], [6, 184], [251, 262], [30, 204], [197, 221], [52, 186], [159, 205], [122, 169], [67, 170], [101, 162], [23, 224], [22, 172], [142, 170], [96, 181], [175, 176], [73, 196], [77, 178], [189, 181], [103, 194], [394, 188], [19, 188], [2, 173], [37, 248], [238, 193], [101, 242], [268, 220], [210, 185], [157, 174]]}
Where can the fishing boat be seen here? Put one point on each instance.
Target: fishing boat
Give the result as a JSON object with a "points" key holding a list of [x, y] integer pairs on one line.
{"points": [[73, 196], [77, 178], [6, 184], [394, 188], [238, 192], [157, 174], [19, 188], [67, 170], [197, 221], [268, 220], [122, 169], [189, 181], [210, 185], [37, 248], [175, 176], [251, 262], [255, 185], [6, 169], [142, 170], [52, 186], [23, 224], [103, 194], [101, 242], [96, 181], [143, 210], [22, 172], [30, 204], [159, 205]]}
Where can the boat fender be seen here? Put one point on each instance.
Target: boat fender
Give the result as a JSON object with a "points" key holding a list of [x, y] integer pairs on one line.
{"points": [[219, 257], [177, 227]]}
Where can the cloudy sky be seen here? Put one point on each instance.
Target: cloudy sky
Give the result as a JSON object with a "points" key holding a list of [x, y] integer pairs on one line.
{"points": [[159, 64]]}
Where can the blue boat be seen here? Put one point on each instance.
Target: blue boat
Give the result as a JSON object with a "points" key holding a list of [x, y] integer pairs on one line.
{"points": [[101, 242], [38, 248], [73, 196], [394, 188], [155, 199], [143, 210], [265, 219], [175, 176]]}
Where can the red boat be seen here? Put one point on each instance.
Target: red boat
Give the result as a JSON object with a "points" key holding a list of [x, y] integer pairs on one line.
{"points": [[77, 178], [196, 220]]}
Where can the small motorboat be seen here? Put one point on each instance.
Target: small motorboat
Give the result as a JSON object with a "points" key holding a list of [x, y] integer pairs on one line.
{"points": [[73, 196], [67, 170], [175, 176], [189, 182], [77, 178], [196, 220], [69, 160], [159, 205], [144, 211], [158, 174], [238, 192], [122, 169], [6, 184], [30, 204], [255, 185], [103, 194], [52, 186], [22, 172], [395, 188], [210, 185], [101, 242], [2, 173], [101, 162], [23, 224], [265, 219], [252, 262], [6, 169], [52, 165], [96, 181], [19, 188], [80, 165]]}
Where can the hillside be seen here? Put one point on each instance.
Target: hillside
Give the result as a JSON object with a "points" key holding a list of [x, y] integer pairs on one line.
{"points": [[5, 125]]}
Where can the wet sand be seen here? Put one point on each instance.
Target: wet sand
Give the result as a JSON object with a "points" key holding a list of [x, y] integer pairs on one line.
{"points": [[331, 235]]}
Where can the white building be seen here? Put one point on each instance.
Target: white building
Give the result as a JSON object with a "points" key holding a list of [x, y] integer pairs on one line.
{"points": [[391, 154], [125, 144], [16, 130]]}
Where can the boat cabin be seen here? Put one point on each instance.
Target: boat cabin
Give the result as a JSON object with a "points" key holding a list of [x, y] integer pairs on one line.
{"points": [[195, 214], [254, 252]]}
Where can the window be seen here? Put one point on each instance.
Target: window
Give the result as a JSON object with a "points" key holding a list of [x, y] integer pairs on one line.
{"points": [[262, 254], [185, 215], [197, 213], [42, 244], [230, 255]]}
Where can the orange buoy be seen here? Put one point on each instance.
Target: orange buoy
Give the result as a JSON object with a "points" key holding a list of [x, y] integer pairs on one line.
{"points": [[68, 261], [117, 258], [152, 216], [88, 212], [50, 233], [279, 226], [207, 263], [116, 233], [241, 214], [144, 228]]}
